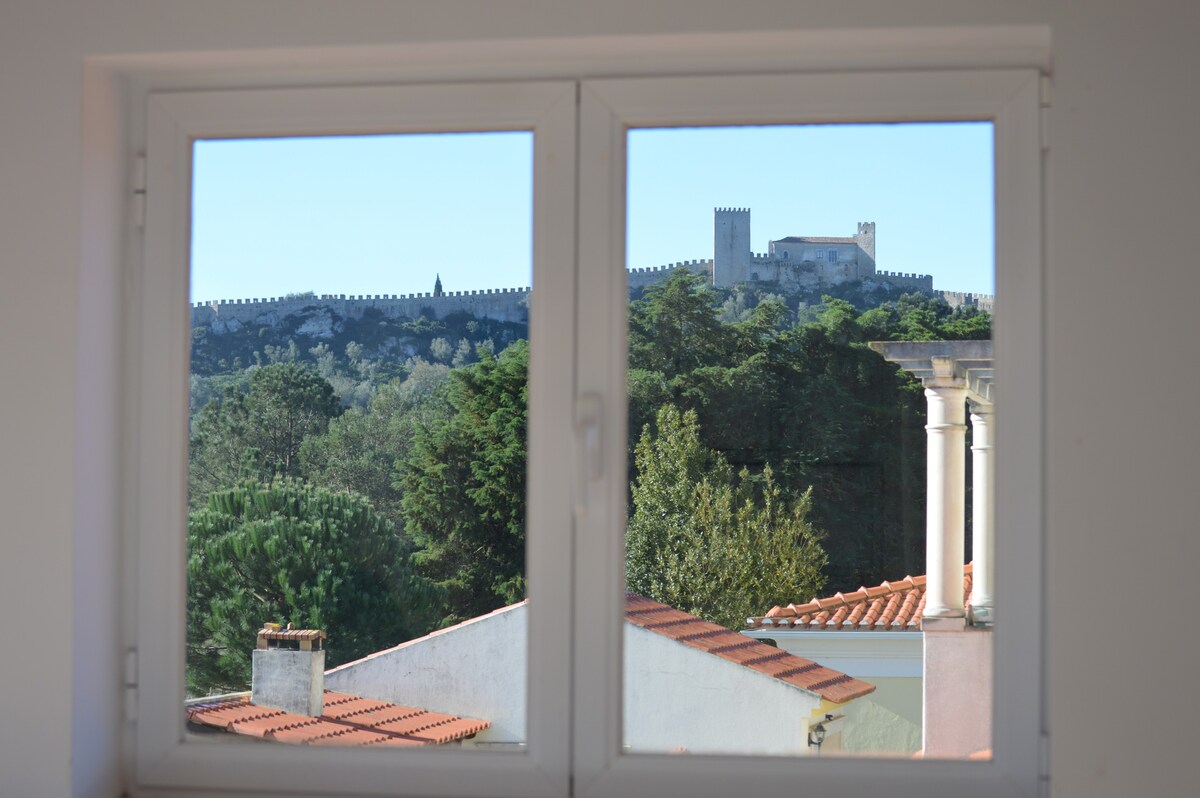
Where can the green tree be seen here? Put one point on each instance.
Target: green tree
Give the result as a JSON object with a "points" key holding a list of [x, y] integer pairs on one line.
{"points": [[292, 552], [711, 544], [440, 349], [462, 353], [359, 451], [463, 486], [258, 434], [675, 328]]}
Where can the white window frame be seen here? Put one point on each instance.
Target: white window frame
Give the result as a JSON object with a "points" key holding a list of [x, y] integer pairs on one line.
{"points": [[575, 732], [164, 757], [1010, 99]]}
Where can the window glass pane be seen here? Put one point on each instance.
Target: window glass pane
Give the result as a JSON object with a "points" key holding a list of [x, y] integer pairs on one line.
{"points": [[798, 542], [357, 463]]}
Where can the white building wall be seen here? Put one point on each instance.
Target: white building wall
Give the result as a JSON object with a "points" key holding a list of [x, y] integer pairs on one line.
{"points": [[679, 698], [476, 669], [958, 688], [888, 721], [818, 253]]}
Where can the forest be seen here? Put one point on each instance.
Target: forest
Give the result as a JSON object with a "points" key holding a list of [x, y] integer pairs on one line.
{"points": [[372, 482]]}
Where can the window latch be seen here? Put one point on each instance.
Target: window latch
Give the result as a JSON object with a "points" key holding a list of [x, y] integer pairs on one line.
{"points": [[130, 684], [588, 417]]}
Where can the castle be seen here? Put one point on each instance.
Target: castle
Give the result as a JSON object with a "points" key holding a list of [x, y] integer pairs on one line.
{"points": [[795, 263]]}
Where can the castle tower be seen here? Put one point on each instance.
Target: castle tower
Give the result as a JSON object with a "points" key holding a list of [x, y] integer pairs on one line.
{"points": [[437, 287], [865, 237], [731, 246]]}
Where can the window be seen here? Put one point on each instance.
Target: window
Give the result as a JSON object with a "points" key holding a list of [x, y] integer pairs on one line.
{"points": [[176, 122], [372, 381], [610, 109], [711, 419], [833, 256], [577, 498]]}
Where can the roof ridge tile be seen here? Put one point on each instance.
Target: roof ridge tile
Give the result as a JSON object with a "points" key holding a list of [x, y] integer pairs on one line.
{"points": [[773, 663]]}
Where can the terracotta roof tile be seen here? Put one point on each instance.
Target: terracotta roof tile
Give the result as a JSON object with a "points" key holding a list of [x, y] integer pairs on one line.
{"points": [[352, 737], [291, 634], [891, 606], [347, 720], [416, 723], [734, 647]]}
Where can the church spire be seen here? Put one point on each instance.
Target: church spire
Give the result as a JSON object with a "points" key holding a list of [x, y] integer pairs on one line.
{"points": [[437, 286]]}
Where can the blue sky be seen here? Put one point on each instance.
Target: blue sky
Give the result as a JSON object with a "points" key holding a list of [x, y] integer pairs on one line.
{"points": [[384, 214]]}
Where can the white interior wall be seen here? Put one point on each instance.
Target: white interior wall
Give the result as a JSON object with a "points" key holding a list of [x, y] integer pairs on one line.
{"points": [[1121, 516]]}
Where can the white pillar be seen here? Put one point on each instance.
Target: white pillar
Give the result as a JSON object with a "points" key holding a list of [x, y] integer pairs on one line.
{"points": [[946, 481], [983, 544]]}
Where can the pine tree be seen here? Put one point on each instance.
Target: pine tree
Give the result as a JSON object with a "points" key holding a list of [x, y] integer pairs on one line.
{"points": [[290, 552]]}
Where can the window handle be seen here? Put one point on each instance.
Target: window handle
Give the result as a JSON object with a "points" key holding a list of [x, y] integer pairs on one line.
{"points": [[588, 419]]}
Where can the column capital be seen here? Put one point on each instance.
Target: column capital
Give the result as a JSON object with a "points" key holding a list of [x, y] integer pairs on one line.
{"points": [[944, 364], [945, 386]]}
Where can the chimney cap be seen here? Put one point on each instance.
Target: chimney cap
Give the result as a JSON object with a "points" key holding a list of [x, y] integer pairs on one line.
{"points": [[273, 635]]}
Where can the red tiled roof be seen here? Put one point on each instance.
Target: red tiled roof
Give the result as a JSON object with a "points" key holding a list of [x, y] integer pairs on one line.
{"points": [[889, 607], [347, 720], [816, 240], [729, 645]]}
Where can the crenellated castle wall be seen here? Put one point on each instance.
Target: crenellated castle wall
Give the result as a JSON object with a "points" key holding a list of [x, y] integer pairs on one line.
{"points": [[733, 263], [919, 282], [640, 278], [959, 298], [502, 304]]}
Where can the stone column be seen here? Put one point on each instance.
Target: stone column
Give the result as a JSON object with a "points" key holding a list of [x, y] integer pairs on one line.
{"points": [[946, 429], [983, 544]]}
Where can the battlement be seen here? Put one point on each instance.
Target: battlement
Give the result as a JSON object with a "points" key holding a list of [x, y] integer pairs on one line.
{"points": [[649, 275], [957, 299], [683, 264], [303, 300], [732, 263], [920, 282], [503, 304], [904, 275]]}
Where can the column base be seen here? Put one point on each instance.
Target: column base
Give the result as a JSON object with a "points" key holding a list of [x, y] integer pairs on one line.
{"points": [[981, 616]]}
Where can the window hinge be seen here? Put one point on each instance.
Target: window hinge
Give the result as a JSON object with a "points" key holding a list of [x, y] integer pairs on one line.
{"points": [[1045, 93], [1044, 765], [139, 191], [130, 684]]}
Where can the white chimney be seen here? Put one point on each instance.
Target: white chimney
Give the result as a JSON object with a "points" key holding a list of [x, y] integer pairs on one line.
{"points": [[289, 670]]}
